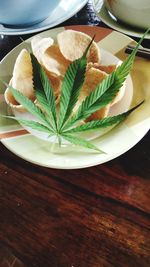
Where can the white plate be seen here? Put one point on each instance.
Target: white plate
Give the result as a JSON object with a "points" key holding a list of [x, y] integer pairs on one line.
{"points": [[116, 142], [112, 22], [64, 11]]}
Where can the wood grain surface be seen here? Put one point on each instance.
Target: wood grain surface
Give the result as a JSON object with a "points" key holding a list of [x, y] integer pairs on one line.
{"points": [[94, 217]]}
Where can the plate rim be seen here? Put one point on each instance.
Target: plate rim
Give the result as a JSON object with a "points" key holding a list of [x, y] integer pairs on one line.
{"points": [[96, 163], [30, 30], [103, 15]]}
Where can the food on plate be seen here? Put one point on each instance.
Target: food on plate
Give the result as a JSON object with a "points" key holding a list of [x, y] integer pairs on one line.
{"points": [[54, 62], [55, 57], [22, 80], [72, 45], [40, 45], [106, 68], [22, 74], [49, 56], [93, 77], [109, 69]]}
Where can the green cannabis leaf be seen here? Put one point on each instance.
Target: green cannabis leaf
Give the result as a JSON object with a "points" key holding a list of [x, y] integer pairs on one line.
{"points": [[63, 123], [44, 91], [30, 106], [32, 124], [103, 123], [105, 92], [71, 86], [80, 142]]}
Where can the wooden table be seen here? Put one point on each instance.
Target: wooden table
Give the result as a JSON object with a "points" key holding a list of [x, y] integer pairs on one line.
{"points": [[93, 217]]}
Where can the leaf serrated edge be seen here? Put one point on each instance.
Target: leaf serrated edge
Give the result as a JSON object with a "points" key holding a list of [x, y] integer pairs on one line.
{"points": [[32, 124], [29, 105], [44, 91], [103, 123], [81, 142]]}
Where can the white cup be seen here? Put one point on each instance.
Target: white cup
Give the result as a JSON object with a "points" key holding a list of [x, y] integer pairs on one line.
{"points": [[133, 12], [25, 12]]}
